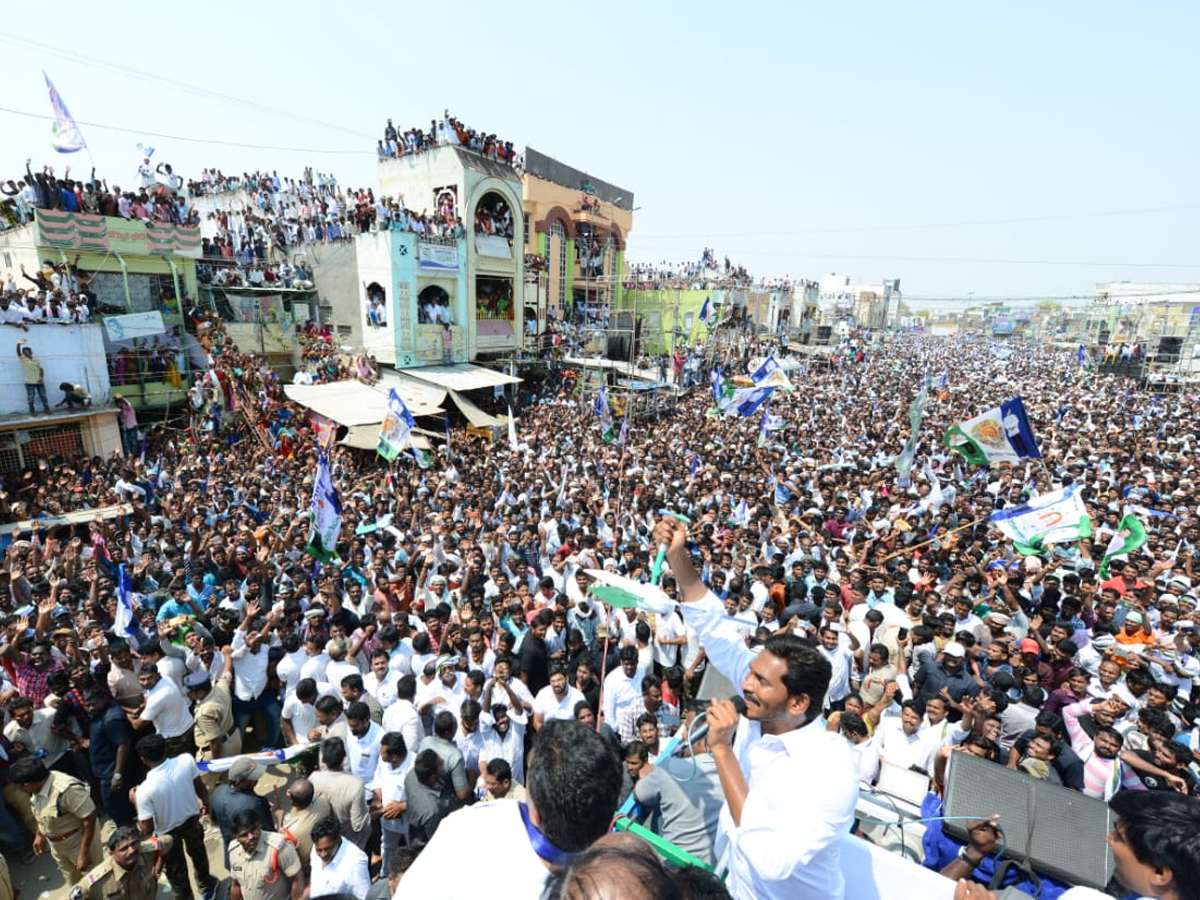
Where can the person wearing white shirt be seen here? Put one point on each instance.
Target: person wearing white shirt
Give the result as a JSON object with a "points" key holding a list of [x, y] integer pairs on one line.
{"points": [[502, 724], [669, 636], [556, 700], [841, 658], [902, 741], [338, 866], [402, 716], [362, 743], [790, 786], [864, 746], [623, 686], [522, 841], [395, 759], [166, 708], [381, 681]]}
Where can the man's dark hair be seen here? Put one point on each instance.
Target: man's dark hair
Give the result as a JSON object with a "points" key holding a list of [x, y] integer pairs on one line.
{"points": [[445, 725], [152, 748], [499, 769], [27, 770], [574, 782], [1032, 695], [650, 681], [1051, 721], [406, 688], [426, 765], [401, 861], [699, 884], [329, 705], [1162, 829], [327, 827], [853, 723], [121, 835], [629, 654], [612, 872], [306, 689], [245, 819], [333, 753], [808, 672], [358, 710], [1000, 699], [354, 682], [393, 742]]}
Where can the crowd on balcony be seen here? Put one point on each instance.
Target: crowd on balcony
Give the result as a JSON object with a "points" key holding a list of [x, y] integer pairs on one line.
{"points": [[59, 294], [448, 132], [493, 217], [157, 200], [705, 273], [157, 360], [285, 212], [494, 298]]}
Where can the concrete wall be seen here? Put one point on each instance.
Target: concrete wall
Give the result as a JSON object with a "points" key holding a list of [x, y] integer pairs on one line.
{"points": [[73, 353], [335, 275]]}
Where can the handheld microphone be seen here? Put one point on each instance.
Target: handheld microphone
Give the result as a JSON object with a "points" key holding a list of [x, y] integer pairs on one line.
{"points": [[701, 730]]}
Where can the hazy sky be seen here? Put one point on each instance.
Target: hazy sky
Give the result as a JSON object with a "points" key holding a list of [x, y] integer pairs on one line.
{"points": [[1016, 149]]}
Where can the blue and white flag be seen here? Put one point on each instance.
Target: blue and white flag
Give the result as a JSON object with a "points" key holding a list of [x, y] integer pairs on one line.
{"points": [[1002, 434], [398, 423], [771, 374], [326, 510], [695, 465], [1150, 513], [745, 401], [1082, 356], [125, 619], [942, 380], [602, 410], [266, 758], [67, 136], [715, 380], [741, 515], [706, 310], [512, 432], [762, 429]]}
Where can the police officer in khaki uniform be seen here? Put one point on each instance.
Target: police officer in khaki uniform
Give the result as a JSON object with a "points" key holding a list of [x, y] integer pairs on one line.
{"points": [[263, 865], [65, 815], [216, 735], [131, 870]]}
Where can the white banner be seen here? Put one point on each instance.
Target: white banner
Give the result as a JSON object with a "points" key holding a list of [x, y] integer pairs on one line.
{"points": [[134, 325], [437, 256]]}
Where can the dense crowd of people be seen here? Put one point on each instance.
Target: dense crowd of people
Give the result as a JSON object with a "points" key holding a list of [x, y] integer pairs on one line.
{"points": [[449, 131], [158, 199], [265, 211], [453, 625]]}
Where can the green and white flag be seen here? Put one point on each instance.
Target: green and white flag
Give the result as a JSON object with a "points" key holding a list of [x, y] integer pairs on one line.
{"points": [[606, 424], [904, 461], [1002, 434], [398, 423], [325, 525], [1056, 517], [1131, 534], [422, 457]]}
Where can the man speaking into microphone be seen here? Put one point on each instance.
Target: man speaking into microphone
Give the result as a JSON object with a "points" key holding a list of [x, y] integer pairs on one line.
{"points": [[790, 786]]}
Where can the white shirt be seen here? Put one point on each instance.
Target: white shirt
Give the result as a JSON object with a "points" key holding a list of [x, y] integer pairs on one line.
{"points": [[302, 716], [669, 628], [249, 669], [550, 707], [389, 782], [336, 671], [867, 754], [363, 753], [620, 691], [511, 746], [803, 786], [403, 717], [841, 658], [499, 843], [167, 796], [345, 874], [900, 749], [383, 691], [167, 709], [288, 670]]}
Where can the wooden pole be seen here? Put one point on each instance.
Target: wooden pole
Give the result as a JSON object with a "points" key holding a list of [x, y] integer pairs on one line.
{"points": [[938, 537]]}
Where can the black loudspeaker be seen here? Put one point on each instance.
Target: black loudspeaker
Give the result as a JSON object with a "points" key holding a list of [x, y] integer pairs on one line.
{"points": [[1047, 827], [1169, 349], [618, 346]]}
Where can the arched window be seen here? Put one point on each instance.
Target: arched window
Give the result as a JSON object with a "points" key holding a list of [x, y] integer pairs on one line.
{"points": [[433, 307], [494, 216]]}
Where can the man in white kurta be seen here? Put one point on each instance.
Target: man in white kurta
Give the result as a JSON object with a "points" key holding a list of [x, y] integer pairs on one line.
{"points": [[780, 828]]}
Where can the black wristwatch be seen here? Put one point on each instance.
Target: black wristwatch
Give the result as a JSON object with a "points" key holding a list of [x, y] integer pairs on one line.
{"points": [[964, 854]]}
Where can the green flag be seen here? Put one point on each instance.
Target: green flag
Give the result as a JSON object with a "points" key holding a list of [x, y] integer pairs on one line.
{"points": [[1130, 535], [422, 456]]}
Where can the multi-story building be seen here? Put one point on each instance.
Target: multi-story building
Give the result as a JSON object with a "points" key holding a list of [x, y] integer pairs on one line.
{"points": [[577, 225]]}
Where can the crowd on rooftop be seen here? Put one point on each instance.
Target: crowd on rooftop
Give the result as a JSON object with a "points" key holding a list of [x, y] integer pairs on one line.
{"points": [[449, 131]]}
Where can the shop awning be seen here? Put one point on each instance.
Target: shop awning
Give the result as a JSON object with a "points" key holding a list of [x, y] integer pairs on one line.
{"points": [[366, 437], [461, 377], [477, 416], [353, 403]]}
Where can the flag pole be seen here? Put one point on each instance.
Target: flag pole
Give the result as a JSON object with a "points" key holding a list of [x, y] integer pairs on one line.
{"points": [[912, 547]]}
